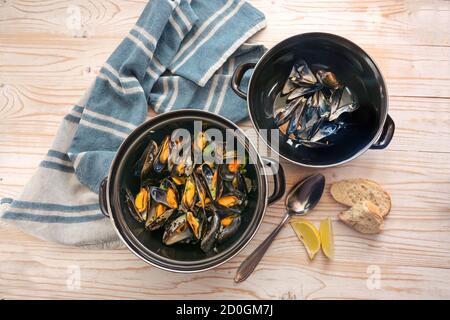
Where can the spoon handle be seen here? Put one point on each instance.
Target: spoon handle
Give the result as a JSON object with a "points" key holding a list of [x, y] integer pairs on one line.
{"points": [[250, 263]]}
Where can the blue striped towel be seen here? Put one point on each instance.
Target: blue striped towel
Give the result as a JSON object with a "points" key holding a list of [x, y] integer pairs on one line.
{"points": [[180, 54]]}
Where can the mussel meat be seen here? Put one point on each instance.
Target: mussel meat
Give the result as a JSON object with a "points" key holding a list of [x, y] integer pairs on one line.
{"points": [[189, 194]]}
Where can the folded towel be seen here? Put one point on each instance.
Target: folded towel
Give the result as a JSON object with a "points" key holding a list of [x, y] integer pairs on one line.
{"points": [[180, 54]]}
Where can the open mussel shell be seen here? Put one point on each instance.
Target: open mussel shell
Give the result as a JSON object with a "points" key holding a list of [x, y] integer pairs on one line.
{"points": [[303, 91], [342, 101], [300, 76], [228, 227], [294, 123], [150, 154], [212, 228], [312, 102], [282, 115], [203, 194], [166, 194], [326, 130], [189, 194], [130, 203], [162, 156], [227, 171], [181, 162], [158, 217], [242, 184], [196, 221], [329, 79], [318, 100], [178, 230], [210, 178]]}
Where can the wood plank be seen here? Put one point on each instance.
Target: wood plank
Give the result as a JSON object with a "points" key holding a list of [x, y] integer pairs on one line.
{"points": [[46, 63]]}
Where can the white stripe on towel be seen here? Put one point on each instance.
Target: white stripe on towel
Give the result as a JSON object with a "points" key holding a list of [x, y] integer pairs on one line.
{"points": [[225, 85], [140, 45], [183, 17], [77, 160], [174, 94], [105, 129], [146, 35], [212, 90], [210, 34], [109, 119], [152, 73], [120, 88], [158, 65], [201, 29], [40, 212], [163, 95], [57, 160], [176, 27], [122, 79]]}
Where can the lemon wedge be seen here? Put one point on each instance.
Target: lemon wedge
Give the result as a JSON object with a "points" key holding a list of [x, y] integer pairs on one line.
{"points": [[308, 234], [326, 238]]}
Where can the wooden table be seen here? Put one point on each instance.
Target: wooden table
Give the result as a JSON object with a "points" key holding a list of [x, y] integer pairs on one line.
{"points": [[47, 61]]}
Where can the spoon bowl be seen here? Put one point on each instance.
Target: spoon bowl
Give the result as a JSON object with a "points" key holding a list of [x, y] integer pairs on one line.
{"points": [[305, 195]]}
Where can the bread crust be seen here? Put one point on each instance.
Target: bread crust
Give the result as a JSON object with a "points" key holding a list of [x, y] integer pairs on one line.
{"points": [[352, 191]]}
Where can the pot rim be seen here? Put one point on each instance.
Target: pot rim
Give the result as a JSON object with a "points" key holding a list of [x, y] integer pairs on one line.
{"points": [[330, 35], [242, 246]]}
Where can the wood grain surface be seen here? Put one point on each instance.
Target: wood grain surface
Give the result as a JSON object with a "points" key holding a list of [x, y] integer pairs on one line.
{"points": [[47, 60]]}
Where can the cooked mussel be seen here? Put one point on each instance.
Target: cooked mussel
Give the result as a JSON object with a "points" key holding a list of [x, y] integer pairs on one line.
{"points": [[177, 231], [181, 163], [210, 178], [228, 227], [166, 193], [150, 155], [158, 216], [204, 195], [162, 156], [130, 204], [196, 221], [189, 194]]}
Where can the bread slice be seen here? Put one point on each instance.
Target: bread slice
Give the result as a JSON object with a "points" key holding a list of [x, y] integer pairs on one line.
{"points": [[364, 217], [351, 192]]}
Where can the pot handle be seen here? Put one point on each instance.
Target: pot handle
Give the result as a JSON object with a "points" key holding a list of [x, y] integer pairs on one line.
{"points": [[386, 135], [102, 197], [237, 78], [279, 181]]}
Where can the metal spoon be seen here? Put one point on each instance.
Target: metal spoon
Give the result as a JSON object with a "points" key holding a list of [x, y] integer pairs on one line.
{"points": [[301, 199]]}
